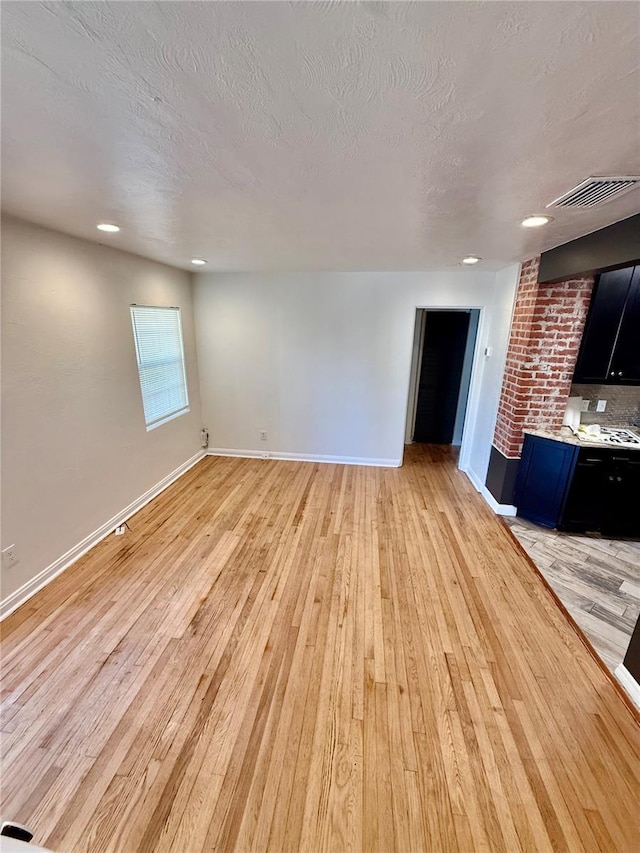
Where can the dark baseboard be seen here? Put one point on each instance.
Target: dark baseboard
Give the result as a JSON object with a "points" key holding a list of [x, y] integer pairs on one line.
{"points": [[501, 476]]}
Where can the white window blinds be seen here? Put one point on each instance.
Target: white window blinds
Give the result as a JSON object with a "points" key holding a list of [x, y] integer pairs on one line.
{"points": [[157, 333]]}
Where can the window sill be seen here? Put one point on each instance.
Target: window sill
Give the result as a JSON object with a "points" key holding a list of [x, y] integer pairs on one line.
{"points": [[168, 418]]}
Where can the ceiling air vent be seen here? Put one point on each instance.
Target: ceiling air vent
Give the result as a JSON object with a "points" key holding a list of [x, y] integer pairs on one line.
{"points": [[595, 191]]}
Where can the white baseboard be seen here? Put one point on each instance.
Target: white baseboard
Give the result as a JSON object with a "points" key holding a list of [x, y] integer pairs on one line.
{"points": [[500, 509], [13, 601], [473, 477], [631, 686], [305, 457]]}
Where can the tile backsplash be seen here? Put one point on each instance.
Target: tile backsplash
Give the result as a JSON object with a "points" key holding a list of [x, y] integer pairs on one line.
{"points": [[623, 404]]}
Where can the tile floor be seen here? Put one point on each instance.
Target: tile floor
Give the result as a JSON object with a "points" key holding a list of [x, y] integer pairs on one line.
{"points": [[597, 580]]}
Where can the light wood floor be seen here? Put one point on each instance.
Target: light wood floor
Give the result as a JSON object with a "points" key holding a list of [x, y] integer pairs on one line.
{"points": [[597, 580], [295, 657]]}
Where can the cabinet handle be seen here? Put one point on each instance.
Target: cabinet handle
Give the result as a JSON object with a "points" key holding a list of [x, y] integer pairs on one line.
{"points": [[619, 373]]}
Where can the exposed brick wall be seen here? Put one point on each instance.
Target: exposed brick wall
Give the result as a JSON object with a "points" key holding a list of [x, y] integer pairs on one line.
{"points": [[546, 330]]}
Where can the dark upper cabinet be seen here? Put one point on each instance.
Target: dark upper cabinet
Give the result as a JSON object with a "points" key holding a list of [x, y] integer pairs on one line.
{"points": [[609, 351], [625, 364]]}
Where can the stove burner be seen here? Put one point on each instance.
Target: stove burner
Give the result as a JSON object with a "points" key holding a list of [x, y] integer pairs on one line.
{"points": [[611, 435]]}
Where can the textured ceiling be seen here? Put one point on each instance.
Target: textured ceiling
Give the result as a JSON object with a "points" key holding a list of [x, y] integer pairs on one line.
{"points": [[318, 136]]}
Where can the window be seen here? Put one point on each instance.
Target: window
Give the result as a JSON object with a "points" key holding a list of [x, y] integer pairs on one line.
{"points": [[157, 333]]}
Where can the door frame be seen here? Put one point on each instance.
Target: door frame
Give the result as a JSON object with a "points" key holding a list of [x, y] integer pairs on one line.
{"points": [[413, 377]]}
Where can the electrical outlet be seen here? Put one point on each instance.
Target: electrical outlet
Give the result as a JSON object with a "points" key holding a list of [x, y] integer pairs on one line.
{"points": [[10, 557], [602, 406], [263, 435], [584, 406], [119, 531]]}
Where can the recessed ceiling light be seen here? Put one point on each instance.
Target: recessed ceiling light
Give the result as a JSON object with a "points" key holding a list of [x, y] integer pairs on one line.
{"points": [[107, 226], [198, 262], [471, 259], [536, 221]]}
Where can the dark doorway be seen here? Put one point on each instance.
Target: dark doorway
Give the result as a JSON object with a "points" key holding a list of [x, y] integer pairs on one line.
{"points": [[443, 356]]}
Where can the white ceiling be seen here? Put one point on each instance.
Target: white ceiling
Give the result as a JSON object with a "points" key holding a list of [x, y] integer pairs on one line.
{"points": [[318, 136]]}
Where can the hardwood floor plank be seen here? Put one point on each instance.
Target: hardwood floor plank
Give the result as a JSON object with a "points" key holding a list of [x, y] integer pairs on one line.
{"points": [[285, 656]]}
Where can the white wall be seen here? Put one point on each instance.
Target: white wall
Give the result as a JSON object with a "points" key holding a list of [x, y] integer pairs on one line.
{"points": [[322, 360], [485, 395], [75, 450]]}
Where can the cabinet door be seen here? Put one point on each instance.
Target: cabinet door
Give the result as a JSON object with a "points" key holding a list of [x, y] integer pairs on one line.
{"points": [[602, 326], [543, 476], [588, 493], [625, 365], [621, 516]]}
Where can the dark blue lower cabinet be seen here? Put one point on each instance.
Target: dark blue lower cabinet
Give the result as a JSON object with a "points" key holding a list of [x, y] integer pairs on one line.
{"points": [[544, 475], [579, 489], [586, 506], [620, 490]]}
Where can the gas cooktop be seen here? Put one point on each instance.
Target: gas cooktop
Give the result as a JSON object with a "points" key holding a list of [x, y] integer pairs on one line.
{"points": [[609, 435]]}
